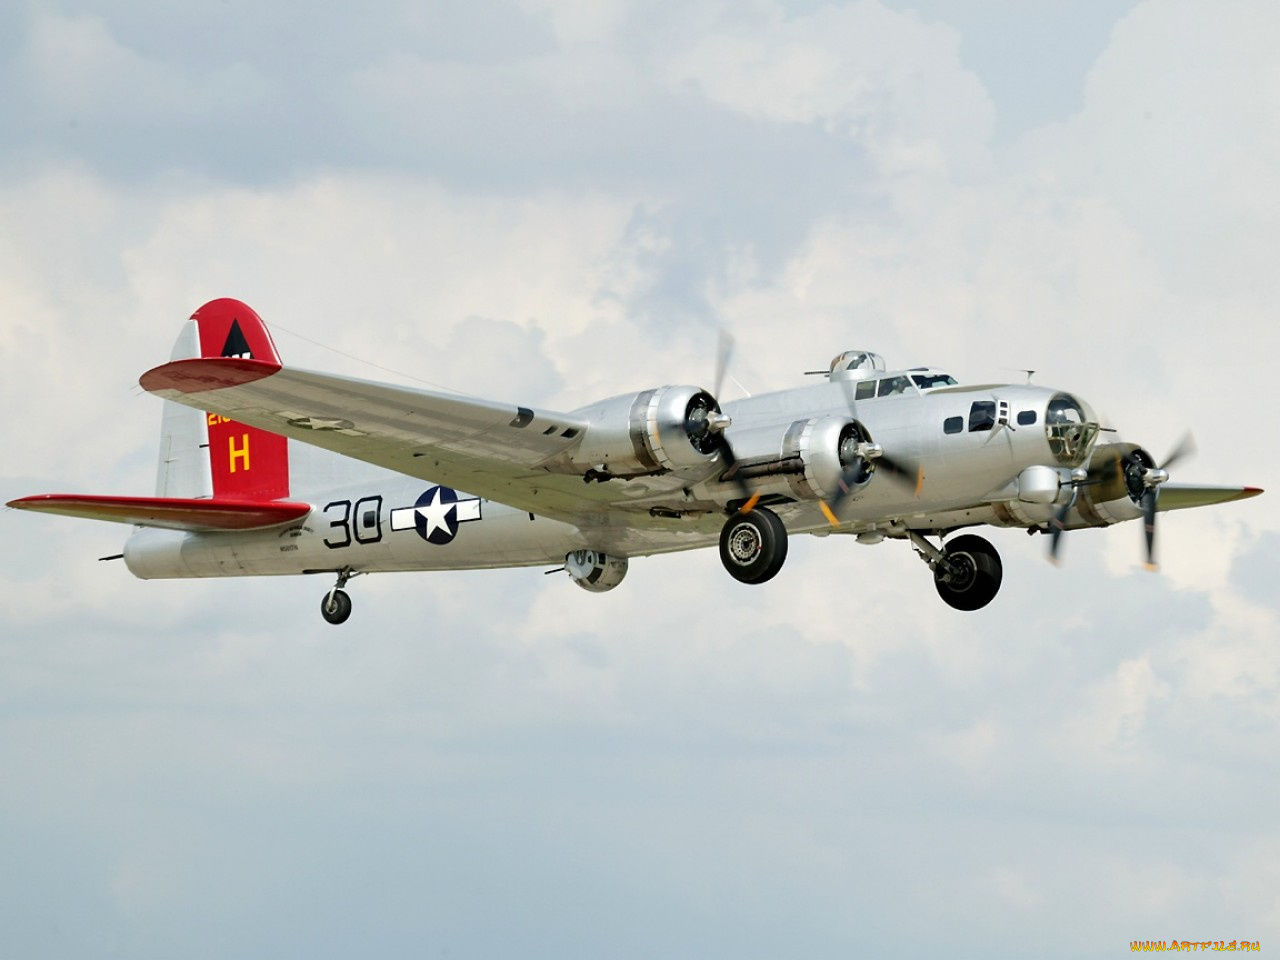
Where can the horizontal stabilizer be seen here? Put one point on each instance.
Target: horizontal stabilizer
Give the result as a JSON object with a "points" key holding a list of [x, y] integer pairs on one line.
{"points": [[1174, 496], [197, 374], [167, 512]]}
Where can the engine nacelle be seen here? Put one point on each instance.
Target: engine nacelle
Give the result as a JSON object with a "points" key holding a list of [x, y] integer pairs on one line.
{"points": [[811, 460], [1110, 494], [595, 571], [1115, 484], [654, 431], [828, 447], [1111, 491]]}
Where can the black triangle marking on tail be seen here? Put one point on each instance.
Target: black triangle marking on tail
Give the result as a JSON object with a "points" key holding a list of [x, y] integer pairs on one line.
{"points": [[237, 345]]}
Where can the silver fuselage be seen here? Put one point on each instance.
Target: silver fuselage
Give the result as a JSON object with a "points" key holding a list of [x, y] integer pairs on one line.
{"points": [[371, 520]]}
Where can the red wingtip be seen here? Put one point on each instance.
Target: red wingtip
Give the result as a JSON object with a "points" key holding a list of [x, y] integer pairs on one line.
{"points": [[168, 513], [200, 375]]}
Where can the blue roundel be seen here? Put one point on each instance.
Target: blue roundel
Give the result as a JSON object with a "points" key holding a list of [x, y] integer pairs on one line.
{"points": [[435, 515]]}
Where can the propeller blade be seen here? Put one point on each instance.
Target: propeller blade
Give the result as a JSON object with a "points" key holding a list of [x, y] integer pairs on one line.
{"points": [[831, 510], [903, 471], [1186, 447], [1149, 499], [895, 468], [1058, 525], [724, 350]]}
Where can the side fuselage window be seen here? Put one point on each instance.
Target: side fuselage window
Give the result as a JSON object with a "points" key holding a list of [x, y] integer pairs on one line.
{"points": [[953, 425], [1026, 418], [982, 415]]}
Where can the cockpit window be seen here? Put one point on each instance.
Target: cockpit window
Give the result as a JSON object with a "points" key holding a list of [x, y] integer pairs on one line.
{"points": [[892, 386], [927, 381], [885, 387]]}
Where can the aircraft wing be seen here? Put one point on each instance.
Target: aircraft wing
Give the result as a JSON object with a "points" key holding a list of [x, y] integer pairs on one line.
{"points": [[1177, 496], [490, 449], [168, 513]]}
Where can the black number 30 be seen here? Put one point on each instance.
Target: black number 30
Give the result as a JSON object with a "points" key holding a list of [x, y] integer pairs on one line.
{"points": [[360, 522]]}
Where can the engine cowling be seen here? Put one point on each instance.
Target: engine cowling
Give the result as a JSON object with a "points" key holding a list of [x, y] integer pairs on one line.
{"points": [[829, 447], [655, 431], [1115, 484], [812, 460], [1110, 492], [595, 571]]}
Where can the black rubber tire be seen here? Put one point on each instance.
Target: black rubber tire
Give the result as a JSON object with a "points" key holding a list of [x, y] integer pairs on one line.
{"points": [[970, 577], [753, 546], [335, 607]]}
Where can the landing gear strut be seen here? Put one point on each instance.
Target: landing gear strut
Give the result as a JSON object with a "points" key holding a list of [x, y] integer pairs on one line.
{"points": [[335, 607], [966, 572], [753, 545]]}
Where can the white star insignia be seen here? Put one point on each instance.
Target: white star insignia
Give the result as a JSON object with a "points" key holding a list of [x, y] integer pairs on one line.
{"points": [[436, 514]]}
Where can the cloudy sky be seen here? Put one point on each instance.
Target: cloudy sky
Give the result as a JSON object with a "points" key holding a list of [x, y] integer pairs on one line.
{"points": [[556, 200]]}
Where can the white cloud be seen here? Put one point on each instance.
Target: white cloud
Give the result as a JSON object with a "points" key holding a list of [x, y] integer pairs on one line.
{"points": [[581, 21], [1112, 716], [859, 70]]}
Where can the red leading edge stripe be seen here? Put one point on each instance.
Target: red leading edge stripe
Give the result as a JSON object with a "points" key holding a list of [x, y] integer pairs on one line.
{"points": [[201, 374], [169, 512]]}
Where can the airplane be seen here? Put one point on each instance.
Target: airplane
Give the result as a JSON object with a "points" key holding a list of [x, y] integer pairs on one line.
{"points": [[269, 470]]}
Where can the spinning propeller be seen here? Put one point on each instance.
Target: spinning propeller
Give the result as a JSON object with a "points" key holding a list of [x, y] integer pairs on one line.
{"points": [[1141, 478], [705, 424], [1151, 478], [1079, 478], [868, 452]]}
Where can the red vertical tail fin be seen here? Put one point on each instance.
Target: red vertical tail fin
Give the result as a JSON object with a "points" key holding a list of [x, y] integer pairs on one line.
{"points": [[246, 463]]}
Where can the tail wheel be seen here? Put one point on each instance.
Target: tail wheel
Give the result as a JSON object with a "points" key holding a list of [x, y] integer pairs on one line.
{"points": [[753, 546], [968, 575], [336, 606]]}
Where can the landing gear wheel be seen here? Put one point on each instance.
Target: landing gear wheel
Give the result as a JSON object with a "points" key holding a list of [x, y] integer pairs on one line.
{"points": [[336, 606], [753, 545], [969, 573]]}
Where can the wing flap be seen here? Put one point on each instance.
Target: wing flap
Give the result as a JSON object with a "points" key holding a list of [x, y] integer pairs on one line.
{"points": [[167, 512]]}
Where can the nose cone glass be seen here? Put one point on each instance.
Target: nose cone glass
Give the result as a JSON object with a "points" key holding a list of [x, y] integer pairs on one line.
{"points": [[1071, 429]]}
